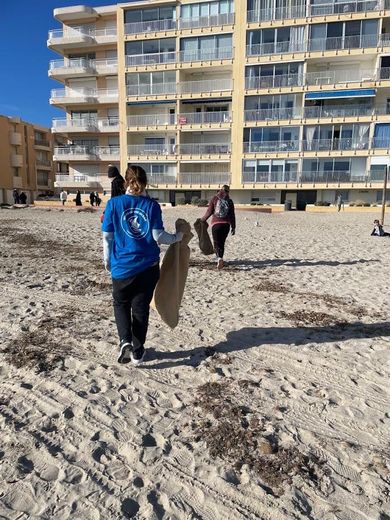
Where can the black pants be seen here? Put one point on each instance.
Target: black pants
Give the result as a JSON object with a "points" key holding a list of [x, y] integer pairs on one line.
{"points": [[132, 297], [220, 233]]}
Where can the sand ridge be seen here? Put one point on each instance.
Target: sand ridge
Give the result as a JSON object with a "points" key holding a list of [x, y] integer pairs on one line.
{"points": [[268, 401]]}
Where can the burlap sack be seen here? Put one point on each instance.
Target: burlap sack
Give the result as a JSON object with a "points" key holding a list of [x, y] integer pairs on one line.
{"points": [[204, 238], [173, 275]]}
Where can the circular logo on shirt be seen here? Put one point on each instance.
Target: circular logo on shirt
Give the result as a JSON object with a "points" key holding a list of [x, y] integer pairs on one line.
{"points": [[135, 223]]}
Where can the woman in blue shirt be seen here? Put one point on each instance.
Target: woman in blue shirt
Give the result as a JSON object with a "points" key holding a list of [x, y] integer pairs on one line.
{"points": [[132, 231]]}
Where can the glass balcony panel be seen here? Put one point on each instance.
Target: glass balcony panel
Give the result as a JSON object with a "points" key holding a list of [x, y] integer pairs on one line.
{"points": [[207, 21], [151, 26], [271, 146], [204, 148]]}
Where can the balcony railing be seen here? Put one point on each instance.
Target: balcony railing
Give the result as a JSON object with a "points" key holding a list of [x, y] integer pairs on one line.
{"points": [[325, 145], [74, 124], [102, 66], [91, 151], [161, 178], [43, 162], [268, 177], [215, 178], [359, 41], [201, 118], [151, 59], [156, 89], [271, 146], [186, 87], [338, 111], [261, 49], [277, 13], [41, 142], [84, 94], [332, 77], [207, 21], [221, 53], [151, 149], [153, 26], [382, 143], [266, 114], [305, 177], [151, 120], [82, 32], [355, 6], [204, 149], [281, 80]]}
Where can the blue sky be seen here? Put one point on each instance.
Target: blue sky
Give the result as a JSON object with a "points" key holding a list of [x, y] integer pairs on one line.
{"points": [[24, 84]]}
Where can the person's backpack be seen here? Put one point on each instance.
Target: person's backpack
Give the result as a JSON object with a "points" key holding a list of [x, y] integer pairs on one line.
{"points": [[221, 209]]}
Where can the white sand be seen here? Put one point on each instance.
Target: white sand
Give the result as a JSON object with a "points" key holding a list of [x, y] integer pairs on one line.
{"points": [[86, 438]]}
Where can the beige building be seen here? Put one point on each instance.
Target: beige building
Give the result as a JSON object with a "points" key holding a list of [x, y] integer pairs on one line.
{"points": [[283, 100], [26, 153]]}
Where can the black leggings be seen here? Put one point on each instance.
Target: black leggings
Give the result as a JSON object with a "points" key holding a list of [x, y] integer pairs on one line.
{"points": [[132, 297], [220, 233]]}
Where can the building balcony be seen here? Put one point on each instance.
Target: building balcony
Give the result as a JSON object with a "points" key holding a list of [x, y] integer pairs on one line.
{"points": [[83, 96], [86, 153], [204, 119], [272, 114], [77, 181], [381, 143], [285, 47], [334, 77], [16, 160], [43, 163], [204, 179], [205, 149], [157, 58], [82, 67], [303, 11], [280, 81], [196, 55], [335, 178], [153, 26], [339, 111], [152, 120], [271, 146], [41, 143], [250, 177], [207, 21], [85, 125], [15, 138], [329, 145], [151, 150], [186, 88], [68, 37]]}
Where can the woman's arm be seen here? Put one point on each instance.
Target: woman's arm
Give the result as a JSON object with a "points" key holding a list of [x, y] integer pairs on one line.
{"points": [[162, 237], [209, 211], [108, 239]]}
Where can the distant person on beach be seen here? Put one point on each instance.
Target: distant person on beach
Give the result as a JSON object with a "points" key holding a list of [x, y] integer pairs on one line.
{"points": [[78, 198], [378, 230], [339, 202], [23, 198], [16, 197], [63, 197], [132, 231], [221, 211], [98, 200], [117, 181], [92, 198]]}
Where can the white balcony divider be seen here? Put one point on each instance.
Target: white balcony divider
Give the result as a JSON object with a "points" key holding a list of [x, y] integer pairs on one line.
{"points": [[277, 13], [200, 118], [207, 85], [207, 21], [221, 53], [151, 120], [150, 59], [152, 26], [156, 89], [204, 178], [204, 148]]}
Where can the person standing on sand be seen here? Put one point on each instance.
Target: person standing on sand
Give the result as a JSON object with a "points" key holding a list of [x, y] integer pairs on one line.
{"points": [[132, 231], [78, 198], [15, 195], [117, 181], [339, 202], [221, 209], [63, 197]]}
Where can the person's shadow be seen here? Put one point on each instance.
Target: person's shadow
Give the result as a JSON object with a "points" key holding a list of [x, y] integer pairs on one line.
{"points": [[251, 337], [243, 265]]}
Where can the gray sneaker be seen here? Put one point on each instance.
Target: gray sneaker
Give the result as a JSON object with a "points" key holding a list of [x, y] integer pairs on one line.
{"points": [[125, 352], [137, 356]]}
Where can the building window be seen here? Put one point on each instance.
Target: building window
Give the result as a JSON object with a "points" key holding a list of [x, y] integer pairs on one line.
{"points": [[16, 172], [42, 178]]}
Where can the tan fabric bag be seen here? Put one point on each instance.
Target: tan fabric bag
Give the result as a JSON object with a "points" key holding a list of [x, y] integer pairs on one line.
{"points": [[173, 275], [204, 238]]}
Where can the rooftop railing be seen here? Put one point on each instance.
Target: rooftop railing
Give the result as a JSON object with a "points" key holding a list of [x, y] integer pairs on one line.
{"points": [[206, 21], [152, 26], [200, 118]]}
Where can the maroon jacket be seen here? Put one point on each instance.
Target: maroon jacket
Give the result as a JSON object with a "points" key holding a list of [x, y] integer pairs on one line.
{"points": [[230, 217]]}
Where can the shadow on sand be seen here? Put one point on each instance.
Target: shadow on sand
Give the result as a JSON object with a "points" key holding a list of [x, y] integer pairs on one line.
{"points": [[250, 337], [244, 265]]}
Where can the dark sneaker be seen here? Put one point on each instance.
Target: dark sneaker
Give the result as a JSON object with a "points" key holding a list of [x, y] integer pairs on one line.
{"points": [[125, 352], [137, 356]]}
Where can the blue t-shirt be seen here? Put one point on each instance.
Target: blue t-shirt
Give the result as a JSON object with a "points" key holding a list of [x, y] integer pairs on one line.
{"points": [[132, 218]]}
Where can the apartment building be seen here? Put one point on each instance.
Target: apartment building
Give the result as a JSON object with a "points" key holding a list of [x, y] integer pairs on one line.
{"points": [[280, 99], [26, 152]]}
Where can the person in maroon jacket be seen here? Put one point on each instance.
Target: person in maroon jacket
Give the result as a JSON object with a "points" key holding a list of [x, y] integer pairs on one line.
{"points": [[221, 211]]}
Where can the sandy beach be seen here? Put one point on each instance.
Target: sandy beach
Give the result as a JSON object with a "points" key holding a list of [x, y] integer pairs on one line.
{"points": [[270, 400]]}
